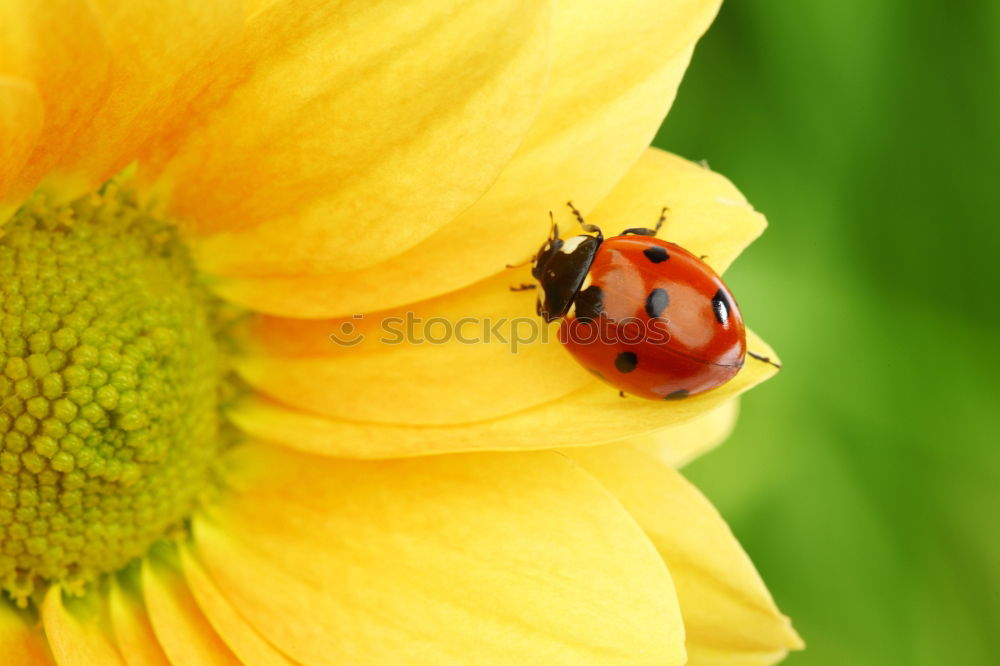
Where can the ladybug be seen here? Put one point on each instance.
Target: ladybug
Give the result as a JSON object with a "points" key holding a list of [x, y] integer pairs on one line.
{"points": [[643, 314]]}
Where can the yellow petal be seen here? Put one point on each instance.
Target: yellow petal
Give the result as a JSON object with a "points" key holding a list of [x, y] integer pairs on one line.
{"points": [[296, 361], [358, 130], [512, 559], [58, 47], [241, 638], [134, 634], [21, 643], [565, 422], [729, 615], [20, 123], [77, 630], [616, 71], [163, 56], [111, 74], [708, 216], [680, 444], [180, 626]]}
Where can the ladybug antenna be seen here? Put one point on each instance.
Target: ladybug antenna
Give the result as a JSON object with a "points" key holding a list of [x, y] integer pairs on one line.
{"points": [[553, 227]]}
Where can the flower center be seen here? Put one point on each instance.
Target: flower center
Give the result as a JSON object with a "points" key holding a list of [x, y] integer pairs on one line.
{"points": [[109, 388]]}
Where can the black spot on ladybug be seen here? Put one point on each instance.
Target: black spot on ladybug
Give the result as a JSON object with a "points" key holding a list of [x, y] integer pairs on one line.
{"points": [[656, 254], [679, 394], [589, 304], [720, 306], [626, 362], [657, 302]]}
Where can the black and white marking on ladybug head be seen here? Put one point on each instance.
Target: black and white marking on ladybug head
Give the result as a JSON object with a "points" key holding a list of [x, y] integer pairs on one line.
{"points": [[561, 267], [570, 245]]}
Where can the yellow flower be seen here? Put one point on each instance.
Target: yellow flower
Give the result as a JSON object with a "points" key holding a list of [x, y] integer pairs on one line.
{"points": [[317, 161]]}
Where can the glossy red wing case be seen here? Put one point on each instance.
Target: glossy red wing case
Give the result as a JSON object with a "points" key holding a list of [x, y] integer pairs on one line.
{"points": [[655, 321]]}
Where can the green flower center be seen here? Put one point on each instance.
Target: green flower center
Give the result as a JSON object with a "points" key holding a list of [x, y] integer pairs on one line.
{"points": [[110, 380]]}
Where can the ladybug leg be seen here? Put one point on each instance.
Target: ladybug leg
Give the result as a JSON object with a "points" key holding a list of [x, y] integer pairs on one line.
{"points": [[522, 264], [663, 218], [644, 231], [764, 359], [523, 287], [621, 394], [589, 228], [576, 213]]}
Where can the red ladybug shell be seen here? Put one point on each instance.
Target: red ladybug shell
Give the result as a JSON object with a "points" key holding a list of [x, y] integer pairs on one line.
{"points": [[654, 320]]}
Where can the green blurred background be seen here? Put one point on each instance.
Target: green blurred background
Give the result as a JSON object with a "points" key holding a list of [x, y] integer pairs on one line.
{"points": [[865, 479]]}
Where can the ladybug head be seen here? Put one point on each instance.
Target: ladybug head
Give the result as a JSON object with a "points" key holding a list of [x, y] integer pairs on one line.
{"points": [[560, 268], [549, 248]]}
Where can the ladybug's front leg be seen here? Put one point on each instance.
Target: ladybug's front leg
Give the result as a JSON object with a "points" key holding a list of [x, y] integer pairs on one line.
{"points": [[589, 228], [522, 264], [523, 287]]}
